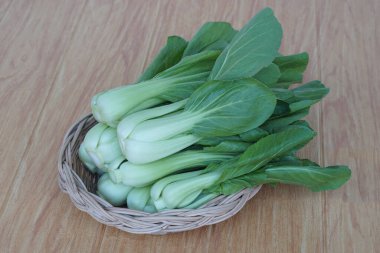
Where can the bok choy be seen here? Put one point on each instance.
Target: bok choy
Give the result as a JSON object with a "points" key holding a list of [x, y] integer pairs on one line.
{"points": [[208, 117]]}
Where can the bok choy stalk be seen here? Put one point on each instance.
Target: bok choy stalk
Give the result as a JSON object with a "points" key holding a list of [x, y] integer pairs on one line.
{"points": [[217, 108], [150, 207], [139, 175], [138, 198], [100, 149], [159, 186], [115, 194], [128, 124], [173, 84], [202, 199]]}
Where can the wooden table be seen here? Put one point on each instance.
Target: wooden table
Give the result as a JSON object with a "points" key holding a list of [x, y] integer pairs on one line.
{"points": [[55, 55]]}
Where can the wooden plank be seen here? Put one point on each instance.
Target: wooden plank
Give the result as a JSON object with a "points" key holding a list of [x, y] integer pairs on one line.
{"points": [[33, 38], [350, 42], [4, 6]]}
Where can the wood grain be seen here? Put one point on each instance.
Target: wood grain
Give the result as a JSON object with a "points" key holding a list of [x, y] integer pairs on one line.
{"points": [[349, 64], [33, 39], [54, 56]]}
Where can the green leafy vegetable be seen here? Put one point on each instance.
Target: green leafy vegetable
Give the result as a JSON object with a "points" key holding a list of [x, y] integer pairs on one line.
{"points": [[211, 116], [253, 48]]}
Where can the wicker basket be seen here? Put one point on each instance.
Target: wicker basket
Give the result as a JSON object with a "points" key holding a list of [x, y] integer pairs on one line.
{"points": [[80, 185]]}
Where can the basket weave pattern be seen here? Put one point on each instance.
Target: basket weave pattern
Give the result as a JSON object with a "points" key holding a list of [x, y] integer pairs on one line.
{"points": [[80, 185]]}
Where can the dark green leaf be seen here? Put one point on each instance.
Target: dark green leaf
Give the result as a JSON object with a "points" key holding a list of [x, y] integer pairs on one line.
{"points": [[168, 56], [216, 140], [269, 75], [282, 94], [219, 45], [312, 177], [253, 135], [276, 124], [265, 150], [254, 47], [290, 160], [303, 104], [211, 36], [230, 107], [292, 68], [281, 109], [306, 95], [301, 123], [314, 90], [187, 75], [234, 185], [229, 147]]}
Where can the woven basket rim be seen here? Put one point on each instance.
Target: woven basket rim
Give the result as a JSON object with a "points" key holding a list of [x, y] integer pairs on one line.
{"points": [[133, 221]]}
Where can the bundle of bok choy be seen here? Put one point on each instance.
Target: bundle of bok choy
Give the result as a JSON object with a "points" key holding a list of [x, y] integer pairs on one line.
{"points": [[208, 117]]}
